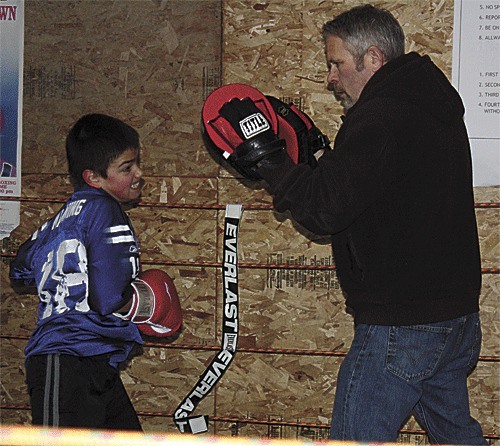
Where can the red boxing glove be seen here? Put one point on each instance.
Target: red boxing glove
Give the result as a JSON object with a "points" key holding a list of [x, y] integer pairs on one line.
{"points": [[155, 304]]}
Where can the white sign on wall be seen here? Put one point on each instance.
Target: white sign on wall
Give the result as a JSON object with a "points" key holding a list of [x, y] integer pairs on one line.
{"points": [[476, 76]]}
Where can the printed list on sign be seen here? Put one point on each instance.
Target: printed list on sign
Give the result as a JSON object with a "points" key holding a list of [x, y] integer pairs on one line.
{"points": [[476, 76]]}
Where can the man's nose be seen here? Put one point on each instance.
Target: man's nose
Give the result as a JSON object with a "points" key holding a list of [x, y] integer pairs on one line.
{"points": [[330, 86], [333, 75], [331, 80]]}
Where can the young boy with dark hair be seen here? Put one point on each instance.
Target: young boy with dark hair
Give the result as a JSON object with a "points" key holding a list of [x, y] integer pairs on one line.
{"points": [[94, 302]]}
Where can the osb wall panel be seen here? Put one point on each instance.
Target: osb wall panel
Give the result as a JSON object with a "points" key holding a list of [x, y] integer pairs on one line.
{"points": [[294, 317], [277, 46], [152, 63], [289, 387], [147, 62]]}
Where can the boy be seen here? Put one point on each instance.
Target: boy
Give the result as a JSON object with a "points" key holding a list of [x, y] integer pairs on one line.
{"points": [[83, 262]]}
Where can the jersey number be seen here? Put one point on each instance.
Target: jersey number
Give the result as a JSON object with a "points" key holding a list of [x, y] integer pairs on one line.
{"points": [[54, 268]]}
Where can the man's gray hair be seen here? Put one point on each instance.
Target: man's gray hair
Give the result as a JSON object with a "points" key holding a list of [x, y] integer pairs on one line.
{"points": [[363, 26]]}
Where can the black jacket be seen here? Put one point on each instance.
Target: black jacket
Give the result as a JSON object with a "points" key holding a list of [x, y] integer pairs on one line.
{"points": [[396, 196]]}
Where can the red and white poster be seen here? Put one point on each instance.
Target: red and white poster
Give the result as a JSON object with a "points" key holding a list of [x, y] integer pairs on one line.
{"points": [[11, 101]]}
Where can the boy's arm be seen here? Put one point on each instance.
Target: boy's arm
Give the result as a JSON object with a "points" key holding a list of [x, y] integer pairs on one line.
{"points": [[113, 259], [128, 295], [22, 278]]}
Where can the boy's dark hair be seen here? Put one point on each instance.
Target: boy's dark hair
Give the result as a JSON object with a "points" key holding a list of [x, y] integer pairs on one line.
{"points": [[363, 26], [94, 142]]}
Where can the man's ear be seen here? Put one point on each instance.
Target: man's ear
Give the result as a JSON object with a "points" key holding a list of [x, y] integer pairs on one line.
{"points": [[374, 58], [92, 178]]}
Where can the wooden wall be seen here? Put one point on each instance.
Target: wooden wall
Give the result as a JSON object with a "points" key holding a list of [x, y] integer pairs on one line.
{"points": [[152, 63]]}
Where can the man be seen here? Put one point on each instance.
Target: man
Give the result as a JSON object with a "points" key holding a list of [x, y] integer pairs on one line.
{"points": [[396, 196]]}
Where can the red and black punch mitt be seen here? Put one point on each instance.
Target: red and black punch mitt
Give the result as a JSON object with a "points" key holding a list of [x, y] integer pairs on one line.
{"points": [[244, 128], [240, 126], [303, 139]]}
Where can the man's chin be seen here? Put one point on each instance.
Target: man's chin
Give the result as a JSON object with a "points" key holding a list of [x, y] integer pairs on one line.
{"points": [[340, 96], [344, 99], [347, 104]]}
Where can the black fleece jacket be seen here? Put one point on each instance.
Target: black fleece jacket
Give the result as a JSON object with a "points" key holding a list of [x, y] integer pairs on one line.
{"points": [[396, 196]]}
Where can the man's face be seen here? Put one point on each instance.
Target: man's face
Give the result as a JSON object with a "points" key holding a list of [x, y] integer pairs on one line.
{"points": [[345, 79]]}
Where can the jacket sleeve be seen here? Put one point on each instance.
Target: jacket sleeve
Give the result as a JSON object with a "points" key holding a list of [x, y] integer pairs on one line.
{"points": [[347, 180], [113, 258]]}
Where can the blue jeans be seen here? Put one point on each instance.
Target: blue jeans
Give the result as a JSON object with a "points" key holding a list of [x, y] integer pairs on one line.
{"points": [[391, 372]]}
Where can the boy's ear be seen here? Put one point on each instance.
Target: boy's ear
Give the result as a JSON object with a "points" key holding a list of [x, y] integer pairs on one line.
{"points": [[92, 178]]}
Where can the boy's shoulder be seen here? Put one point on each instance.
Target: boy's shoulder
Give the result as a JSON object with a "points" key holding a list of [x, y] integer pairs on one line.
{"points": [[86, 208], [95, 204], [96, 197]]}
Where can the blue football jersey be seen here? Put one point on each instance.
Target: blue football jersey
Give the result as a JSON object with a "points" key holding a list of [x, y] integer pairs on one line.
{"points": [[81, 261]]}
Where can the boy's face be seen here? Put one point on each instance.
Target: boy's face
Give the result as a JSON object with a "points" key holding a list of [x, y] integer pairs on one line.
{"points": [[124, 178]]}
